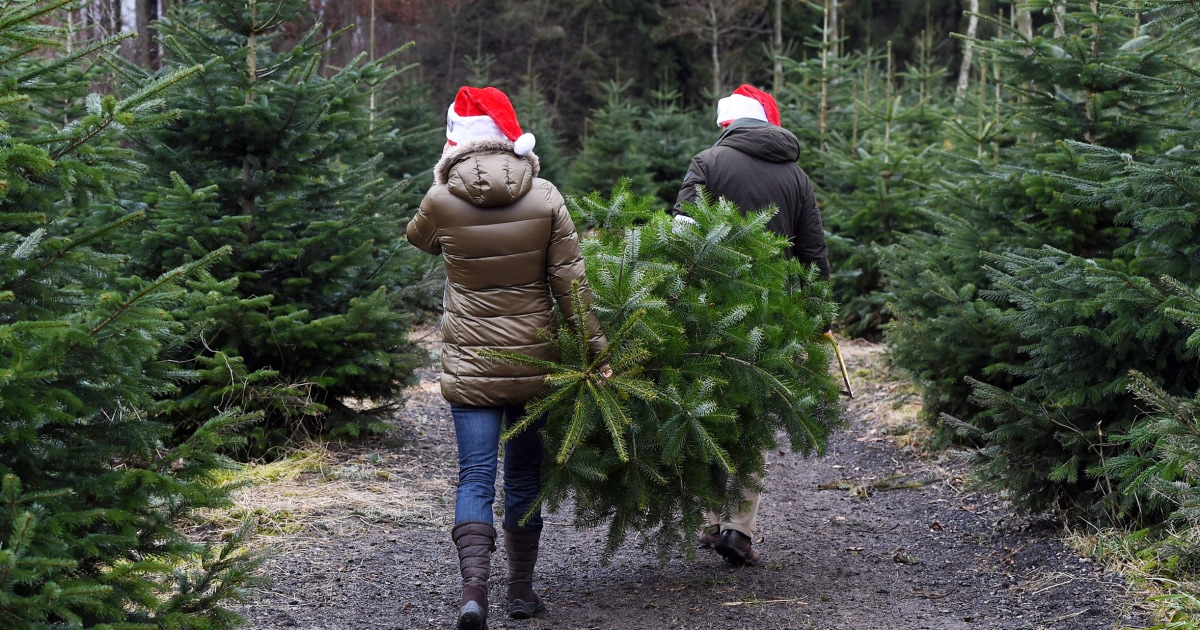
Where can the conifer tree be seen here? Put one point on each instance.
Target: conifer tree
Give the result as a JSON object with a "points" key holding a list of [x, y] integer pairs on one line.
{"points": [[412, 132], [715, 344], [1035, 319], [671, 136], [1157, 467], [282, 164], [868, 131], [1146, 292], [613, 148], [92, 484], [873, 177], [537, 117]]}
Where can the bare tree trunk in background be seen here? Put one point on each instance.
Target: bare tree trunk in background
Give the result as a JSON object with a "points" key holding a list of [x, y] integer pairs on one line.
{"points": [[715, 45], [715, 22], [247, 200], [1024, 20], [824, 77], [1060, 8], [454, 13], [371, 45], [145, 12], [833, 27], [964, 71], [777, 47], [1093, 105]]}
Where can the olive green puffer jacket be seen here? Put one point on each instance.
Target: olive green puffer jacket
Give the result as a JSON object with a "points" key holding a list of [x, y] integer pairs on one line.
{"points": [[510, 251]]}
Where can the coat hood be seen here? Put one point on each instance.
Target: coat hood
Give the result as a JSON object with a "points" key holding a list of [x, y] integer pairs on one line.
{"points": [[486, 174], [761, 140]]}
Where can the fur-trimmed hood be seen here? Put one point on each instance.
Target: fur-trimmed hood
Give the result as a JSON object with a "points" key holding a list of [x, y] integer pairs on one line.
{"points": [[486, 173]]}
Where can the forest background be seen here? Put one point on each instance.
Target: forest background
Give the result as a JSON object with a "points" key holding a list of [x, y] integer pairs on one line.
{"points": [[201, 247]]}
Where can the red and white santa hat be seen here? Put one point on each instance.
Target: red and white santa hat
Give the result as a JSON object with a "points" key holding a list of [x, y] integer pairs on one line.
{"points": [[485, 114], [747, 102]]}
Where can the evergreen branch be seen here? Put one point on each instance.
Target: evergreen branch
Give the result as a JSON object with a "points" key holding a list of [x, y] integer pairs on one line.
{"points": [[88, 237], [86, 138], [157, 86], [538, 408], [70, 59], [163, 280], [517, 358], [614, 418], [710, 445], [31, 15], [576, 430], [29, 244], [9, 100]]}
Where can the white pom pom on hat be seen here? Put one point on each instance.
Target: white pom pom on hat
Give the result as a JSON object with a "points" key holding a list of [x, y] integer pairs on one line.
{"points": [[485, 114], [523, 145], [747, 102]]}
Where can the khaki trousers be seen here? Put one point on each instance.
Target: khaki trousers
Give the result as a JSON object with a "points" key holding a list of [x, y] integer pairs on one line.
{"points": [[745, 518]]}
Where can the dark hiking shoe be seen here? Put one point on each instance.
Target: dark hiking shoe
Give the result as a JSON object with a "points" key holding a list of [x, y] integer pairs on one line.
{"points": [[708, 538], [472, 617], [521, 609], [735, 547]]}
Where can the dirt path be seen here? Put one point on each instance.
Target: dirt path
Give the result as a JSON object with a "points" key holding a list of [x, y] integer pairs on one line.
{"points": [[871, 536]]}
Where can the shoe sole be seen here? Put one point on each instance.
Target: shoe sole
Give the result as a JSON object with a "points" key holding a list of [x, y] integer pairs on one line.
{"points": [[470, 617], [520, 609]]}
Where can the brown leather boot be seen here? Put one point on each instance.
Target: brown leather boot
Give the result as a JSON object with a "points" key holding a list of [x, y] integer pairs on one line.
{"points": [[475, 542], [522, 548], [735, 547]]}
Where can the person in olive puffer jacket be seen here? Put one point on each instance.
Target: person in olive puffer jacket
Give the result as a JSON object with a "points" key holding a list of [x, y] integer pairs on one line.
{"points": [[510, 252], [753, 164]]}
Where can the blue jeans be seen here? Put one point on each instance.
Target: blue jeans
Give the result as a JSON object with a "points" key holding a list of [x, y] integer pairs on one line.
{"points": [[477, 430]]}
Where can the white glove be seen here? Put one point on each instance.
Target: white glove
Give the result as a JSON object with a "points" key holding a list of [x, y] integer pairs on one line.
{"points": [[681, 223]]}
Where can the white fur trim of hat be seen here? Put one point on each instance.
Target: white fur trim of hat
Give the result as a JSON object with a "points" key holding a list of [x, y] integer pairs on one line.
{"points": [[479, 114], [737, 106]]}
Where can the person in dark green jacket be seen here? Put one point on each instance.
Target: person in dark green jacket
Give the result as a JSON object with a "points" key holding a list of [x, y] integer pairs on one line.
{"points": [[753, 164]]}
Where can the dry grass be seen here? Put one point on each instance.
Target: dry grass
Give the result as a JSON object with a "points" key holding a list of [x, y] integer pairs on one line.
{"points": [[1175, 603], [345, 488], [894, 405]]}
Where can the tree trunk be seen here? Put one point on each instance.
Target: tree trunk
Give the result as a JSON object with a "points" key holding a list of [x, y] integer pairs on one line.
{"points": [[371, 45], [833, 28], [1024, 20], [777, 46], [247, 200], [824, 75], [964, 71], [714, 44], [145, 13], [457, 7]]}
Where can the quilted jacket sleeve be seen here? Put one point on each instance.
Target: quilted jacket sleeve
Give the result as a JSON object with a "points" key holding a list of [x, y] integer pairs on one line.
{"points": [[564, 266], [695, 179], [422, 231]]}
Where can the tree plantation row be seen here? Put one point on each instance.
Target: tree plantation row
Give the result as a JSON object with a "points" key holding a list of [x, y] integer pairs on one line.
{"points": [[202, 262]]}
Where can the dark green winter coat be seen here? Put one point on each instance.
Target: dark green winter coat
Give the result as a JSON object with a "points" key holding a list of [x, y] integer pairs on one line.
{"points": [[510, 251], [753, 164]]}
